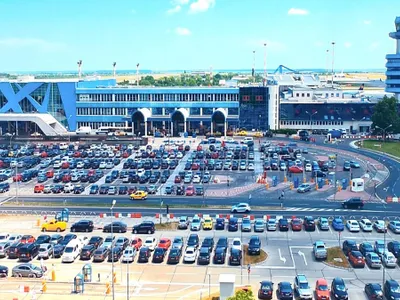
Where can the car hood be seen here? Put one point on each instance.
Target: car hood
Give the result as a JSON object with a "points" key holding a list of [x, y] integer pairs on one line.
{"points": [[305, 291]]}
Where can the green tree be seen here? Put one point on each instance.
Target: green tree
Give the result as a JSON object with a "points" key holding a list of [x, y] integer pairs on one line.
{"points": [[243, 295], [386, 115]]}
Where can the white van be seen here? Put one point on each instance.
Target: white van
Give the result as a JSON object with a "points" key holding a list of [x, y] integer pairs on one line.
{"points": [[63, 146], [84, 130], [247, 139], [71, 251]]}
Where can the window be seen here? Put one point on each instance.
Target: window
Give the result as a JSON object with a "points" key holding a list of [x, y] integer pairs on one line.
{"points": [[302, 95], [308, 94], [207, 111], [245, 98], [297, 94], [195, 111], [337, 95], [259, 98]]}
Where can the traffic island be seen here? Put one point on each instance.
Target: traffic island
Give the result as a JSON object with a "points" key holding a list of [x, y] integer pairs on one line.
{"points": [[253, 259], [336, 258], [166, 226]]}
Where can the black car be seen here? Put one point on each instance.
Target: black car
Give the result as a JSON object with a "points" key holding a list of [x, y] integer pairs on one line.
{"points": [[394, 247], [391, 289], [338, 289], [100, 254], [3, 271], [82, 226], [235, 257], [144, 227], [115, 254], [283, 224], [374, 291], [284, 291], [13, 251], [43, 239], [365, 248], [158, 255], [222, 243], [56, 239], [193, 240], [349, 245], [233, 224], [79, 189], [219, 256], [254, 247], [115, 227], [180, 190], [87, 252], [199, 191], [309, 223], [220, 224], [353, 203], [144, 254], [265, 290], [208, 242], [174, 256], [28, 252], [123, 190], [96, 241], [204, 256]]}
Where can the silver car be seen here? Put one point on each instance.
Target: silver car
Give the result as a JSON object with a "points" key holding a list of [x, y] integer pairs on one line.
{"points": [[27, 270], [271, 225], [259, 225], [177, 243], [129, 254], [108, 242], [246, 224], [14, 238], [4, 247], [45, 250], [373, 260]]}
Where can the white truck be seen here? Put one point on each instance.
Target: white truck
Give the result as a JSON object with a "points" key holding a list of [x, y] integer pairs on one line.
{"points": [[84, 130]]}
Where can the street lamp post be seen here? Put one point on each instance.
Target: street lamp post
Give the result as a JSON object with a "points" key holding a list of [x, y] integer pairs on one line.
{"points": [[311, 115], [384, 130], [16, 173], [112, 254]]}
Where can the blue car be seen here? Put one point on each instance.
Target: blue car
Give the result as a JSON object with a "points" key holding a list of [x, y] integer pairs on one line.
{"points": [[94, 189], [337, 224]]}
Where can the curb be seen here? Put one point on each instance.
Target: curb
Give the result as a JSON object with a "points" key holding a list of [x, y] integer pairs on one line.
{"points": [[336, 267]]}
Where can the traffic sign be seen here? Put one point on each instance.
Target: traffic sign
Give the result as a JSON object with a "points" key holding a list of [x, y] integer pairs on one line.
{"points": [[248, 268]]}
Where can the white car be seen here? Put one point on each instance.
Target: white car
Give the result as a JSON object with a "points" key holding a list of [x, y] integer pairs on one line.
{"points": [[15, 238], [79, 165], [190, 255], [102, 165], [179, 155], [68, 188], [150, 242], [140, 172], [366, 225], [57, 164], [196, 179], [237, 244], [4, 237], [109, 165], [250, 167], [241, 208], [298, 156], [308, 168], [271, 225], [388, 259], [129, 254], [353, 226], [196, 223]]}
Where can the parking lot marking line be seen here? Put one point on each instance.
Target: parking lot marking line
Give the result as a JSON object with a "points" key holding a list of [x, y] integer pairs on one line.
{"points": [[275, 268]]}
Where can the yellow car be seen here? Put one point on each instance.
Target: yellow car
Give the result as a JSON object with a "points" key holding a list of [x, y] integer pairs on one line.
{"points": [[54, 225], [139, 195], [258, 134], [207, 223], [242, 133]]}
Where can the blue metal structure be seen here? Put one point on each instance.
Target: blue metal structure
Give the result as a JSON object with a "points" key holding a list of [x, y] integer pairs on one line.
{"points": [[281, 68], [393, 64]]}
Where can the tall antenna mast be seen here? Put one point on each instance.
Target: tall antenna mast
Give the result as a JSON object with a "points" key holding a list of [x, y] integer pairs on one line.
{"points": [[254, 66], [114, 69], [265, 64], [137, 74], [79, 68], [333, 59]]}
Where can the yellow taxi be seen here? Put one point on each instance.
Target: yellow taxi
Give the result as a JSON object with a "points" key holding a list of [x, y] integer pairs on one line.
{"points": [[54, 225], [242, 133], [139, 195], [207, 223], [258, 134]]}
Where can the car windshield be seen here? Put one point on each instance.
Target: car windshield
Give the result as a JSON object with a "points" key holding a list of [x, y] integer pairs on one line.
{"points": [[236, 243], [340, 287], [395, 289], [266, 287], [108, 240], [323, 287], [69, 250], [303, 285]]}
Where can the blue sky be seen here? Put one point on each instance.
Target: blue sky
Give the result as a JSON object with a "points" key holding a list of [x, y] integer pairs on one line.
{"points": [[52, 35]]}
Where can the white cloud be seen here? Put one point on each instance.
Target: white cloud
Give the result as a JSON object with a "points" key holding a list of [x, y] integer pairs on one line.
{"points": [[373, 46], [40, 44], [180, 2], [298, 11], [347, 44], [367, 22], [201, 6], [174, 10], [182, 31]]}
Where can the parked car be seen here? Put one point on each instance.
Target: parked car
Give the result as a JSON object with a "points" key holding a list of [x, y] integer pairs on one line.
{"points": [[391, 289], [27, 270], [373, 260], [82, 226], [337, 224], [373, 291], [339, 289], [285, 291], [353, 203], [144, 227]]}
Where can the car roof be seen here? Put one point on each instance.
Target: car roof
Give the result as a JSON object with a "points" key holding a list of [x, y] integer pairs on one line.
{"points": [[322, 281]]}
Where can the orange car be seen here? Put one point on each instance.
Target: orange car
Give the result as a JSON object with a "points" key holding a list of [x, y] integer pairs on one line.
{"points": [[164, 243], [356, 259], [27, 239], [38, 188], [137, 243], [321, 289], [296, 224], [50, 174]]}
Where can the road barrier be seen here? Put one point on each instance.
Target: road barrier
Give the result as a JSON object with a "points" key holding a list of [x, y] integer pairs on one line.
{"points": [[392, 199]]}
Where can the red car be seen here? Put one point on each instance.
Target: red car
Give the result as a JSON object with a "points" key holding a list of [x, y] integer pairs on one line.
{"points": [[296, 224], [66, 178], [164, 243], [190, 190], [17, 177], [356, 259], [65, 165], [295, 169], [136, 243], [50, 174], [199, 148], [77, 154], [214, 155], [178, 179], [195, 166], [125, 155], [180, 148], [27, 239], [43, 154]]}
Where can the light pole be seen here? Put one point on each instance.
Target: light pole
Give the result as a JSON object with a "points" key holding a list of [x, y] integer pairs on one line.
{"points": [[68, 128], [311, 115], [16, 174], [112, 244], [384, 130], [333, 59], [209, 285], [254, 66]]}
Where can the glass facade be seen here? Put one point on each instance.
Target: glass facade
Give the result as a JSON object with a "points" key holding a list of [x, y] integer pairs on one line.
{"points": [[253, 108]]}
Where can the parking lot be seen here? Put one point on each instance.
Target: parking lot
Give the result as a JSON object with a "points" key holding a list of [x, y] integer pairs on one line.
{"points": [[168, 167]]}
